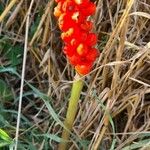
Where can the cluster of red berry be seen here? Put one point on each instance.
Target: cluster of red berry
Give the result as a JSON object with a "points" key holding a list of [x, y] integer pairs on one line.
{"points": [[76, 32]]}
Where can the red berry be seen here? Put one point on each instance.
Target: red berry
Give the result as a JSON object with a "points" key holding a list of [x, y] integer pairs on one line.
{"points": [[74, 42], [91, 39], [90, 9], [69, 6], [92, 54], [65, 21], [57, 1], [87, 25], [74, 60], [83, 36], [68, 50]]}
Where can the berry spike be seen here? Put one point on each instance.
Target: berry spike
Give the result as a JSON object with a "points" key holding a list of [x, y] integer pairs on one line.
{"points": [[78, 39]]}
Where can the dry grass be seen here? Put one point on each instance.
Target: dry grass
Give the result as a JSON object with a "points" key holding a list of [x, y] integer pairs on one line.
{"points": [[114, 110]]}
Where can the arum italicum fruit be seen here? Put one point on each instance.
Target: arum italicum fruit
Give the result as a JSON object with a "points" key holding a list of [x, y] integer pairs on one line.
{"points": [[79, 42]]}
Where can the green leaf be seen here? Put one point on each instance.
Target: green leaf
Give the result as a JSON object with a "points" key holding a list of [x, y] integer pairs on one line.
{"points": [[9, 70], [34, 26], [5, 91], [139, 144], [4, 136], [3, 143], [85, 143], [14, 54]]}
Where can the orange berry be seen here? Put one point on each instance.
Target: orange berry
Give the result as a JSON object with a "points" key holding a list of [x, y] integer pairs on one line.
{"points": [[57, 12], [67, 34], [83, 69], [82, 49], [81, 2]]}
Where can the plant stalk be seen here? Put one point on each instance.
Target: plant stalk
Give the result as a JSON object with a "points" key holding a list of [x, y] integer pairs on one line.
{"points": [[72, 110], [5, 12]]}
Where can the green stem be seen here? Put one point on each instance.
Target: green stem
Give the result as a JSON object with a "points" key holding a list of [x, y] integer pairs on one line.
{"points": [[72, 110]]}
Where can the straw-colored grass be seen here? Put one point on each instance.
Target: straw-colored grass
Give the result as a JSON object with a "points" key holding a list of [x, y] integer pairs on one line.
{"points": [[114, 109]]}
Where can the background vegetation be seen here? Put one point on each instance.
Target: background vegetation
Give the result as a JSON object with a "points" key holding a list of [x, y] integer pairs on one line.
{"points": [[114, 109]]}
